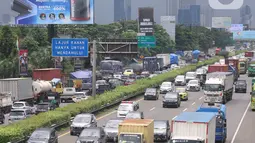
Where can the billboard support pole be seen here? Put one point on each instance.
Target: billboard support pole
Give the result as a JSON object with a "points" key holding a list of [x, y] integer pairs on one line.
{"points": [[94, 69]]}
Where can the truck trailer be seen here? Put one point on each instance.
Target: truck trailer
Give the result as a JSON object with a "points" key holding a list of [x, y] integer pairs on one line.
{"points": [[5, 102], [193, 127], [136, 130], [218, 87], [166, 60]]}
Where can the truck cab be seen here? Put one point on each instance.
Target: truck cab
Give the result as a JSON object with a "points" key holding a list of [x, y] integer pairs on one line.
{"points": [[243, 64], [221, 121], [213, 90], [251, 70]]}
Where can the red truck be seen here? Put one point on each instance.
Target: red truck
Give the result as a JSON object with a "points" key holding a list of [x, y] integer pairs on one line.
{"points": [[217, 51], [249, 54], [47, 74], [217, 68]]}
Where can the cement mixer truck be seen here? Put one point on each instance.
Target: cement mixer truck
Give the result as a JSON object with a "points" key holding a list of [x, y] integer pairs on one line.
{"points": [[41, 89]]}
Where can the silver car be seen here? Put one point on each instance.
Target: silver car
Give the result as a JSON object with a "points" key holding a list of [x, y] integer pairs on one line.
{"points": [[19, 114], [111, 130]]}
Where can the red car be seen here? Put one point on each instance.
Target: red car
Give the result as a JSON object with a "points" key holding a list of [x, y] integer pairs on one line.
{"points": [[129, 82]]}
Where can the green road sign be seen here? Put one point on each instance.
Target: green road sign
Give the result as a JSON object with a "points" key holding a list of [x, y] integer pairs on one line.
{"points": [[146, 41]]}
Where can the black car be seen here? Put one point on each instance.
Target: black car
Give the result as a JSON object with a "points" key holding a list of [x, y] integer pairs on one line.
{"points": [[111, 130], [172, 99], [151, 93], [114, 82], [44, 107], [45, 135], [2, 117], [161, 130], [92, 135], [135, 115], [241, 86]]}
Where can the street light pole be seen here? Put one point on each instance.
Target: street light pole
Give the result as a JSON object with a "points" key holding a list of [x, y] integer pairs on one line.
{"points": [[94, 69]]}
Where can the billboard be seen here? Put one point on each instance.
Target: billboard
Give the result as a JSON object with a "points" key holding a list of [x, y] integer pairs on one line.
{"points": [[55, 12], [23, 62], [169, 23], [236, 27], [146, 20], [221, 22], [244, 35]]}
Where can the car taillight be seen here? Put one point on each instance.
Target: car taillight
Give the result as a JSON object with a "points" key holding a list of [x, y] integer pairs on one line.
{"points": [[221, 94]]}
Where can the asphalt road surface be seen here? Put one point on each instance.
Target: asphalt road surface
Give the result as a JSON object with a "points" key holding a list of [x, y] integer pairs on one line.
{"points": [[240, 123]]}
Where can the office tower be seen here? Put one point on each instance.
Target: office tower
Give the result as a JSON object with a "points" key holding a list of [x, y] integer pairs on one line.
{"points": [[195, 15], [185, 4], [184, 17], [246, 15], [122, 10]]}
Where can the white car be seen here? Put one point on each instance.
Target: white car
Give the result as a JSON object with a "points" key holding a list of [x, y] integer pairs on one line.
{"points": [[125, 107], [193, 85], [23, 105], [190, 76], [180, 80], [79, 96], [166, 87]]}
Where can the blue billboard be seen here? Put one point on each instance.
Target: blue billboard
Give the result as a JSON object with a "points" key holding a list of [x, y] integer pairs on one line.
{"points": [[70, 47], [244, 35], [57, 12]]}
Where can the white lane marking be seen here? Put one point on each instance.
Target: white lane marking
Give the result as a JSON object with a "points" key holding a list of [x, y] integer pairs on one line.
{"points": [[240, 123], [200, 98], [152, 108], [185, 109], [193, 103]]}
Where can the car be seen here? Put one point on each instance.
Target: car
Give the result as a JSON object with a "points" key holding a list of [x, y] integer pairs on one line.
{"points": [[43, 135], [161, 130], [44, 107], [190, 76], [171, 99], [129, 82], [145, 73], [19, 114], [22, 105], [152, 75], [111, 130], [82, 121], [134, 115], [183, 93], [151, 93], [166, 87], [117, 75], [125, 107], [92, 135], [193, 85], [2, 117], [180, 80], [114, 82], [128, 72], [241, 86]]}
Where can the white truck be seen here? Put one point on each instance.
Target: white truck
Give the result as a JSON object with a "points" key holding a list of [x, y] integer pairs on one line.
{"points": [[218, 87], [5, 102], [19, 88], [166, 60], [68, 94], [193, 127]]}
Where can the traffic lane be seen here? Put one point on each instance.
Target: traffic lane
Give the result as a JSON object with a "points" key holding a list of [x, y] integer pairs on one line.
{"points": [[147, 106]]}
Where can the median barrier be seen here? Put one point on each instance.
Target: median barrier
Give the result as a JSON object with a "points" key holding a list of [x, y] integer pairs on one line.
{"points": [[18, 132]]}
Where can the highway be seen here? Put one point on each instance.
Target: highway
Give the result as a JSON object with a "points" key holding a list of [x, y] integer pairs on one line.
{"points": [[238, 131]]}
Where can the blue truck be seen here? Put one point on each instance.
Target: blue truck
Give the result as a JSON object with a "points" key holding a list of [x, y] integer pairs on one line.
{"points": [[234, 71], [221, 121]]}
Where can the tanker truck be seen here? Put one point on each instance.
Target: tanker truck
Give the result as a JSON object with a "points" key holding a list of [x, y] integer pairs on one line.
{"points": [[137, 68], [41, 89]]}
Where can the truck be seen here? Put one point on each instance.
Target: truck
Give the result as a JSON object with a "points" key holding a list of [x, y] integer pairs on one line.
{"points": [[166, 60], [111, 66], [221, 121], [68, 94], [41, 89], [251, 70], [193, 127], [217, 68], [137, 68], [47, 74], [234, 63], [218, 87], [243, 64], [19, 88], [5, 102], [136, 130], [174, 59], [151, 64], [249, 54]]}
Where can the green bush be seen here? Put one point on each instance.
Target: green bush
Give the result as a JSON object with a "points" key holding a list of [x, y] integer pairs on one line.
{"points": [[19, 130]]}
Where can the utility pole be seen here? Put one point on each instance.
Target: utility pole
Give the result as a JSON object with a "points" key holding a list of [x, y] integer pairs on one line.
{"points": [[94, 69]]}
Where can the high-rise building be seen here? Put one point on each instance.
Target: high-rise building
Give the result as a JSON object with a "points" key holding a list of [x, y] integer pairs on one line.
{"points": [[184, 16], [195, 15], [185, 4], [122, 10]]}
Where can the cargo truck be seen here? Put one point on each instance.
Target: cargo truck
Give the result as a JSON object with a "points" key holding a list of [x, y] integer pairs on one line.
{"points": [[251, 70], [249, 54], [174, 59], [19, 88], [193, 127], [234, 63], [218, 87], [243, 64], [166, 60], [136, 131], [217, 68], [47, 74], [151, 64], [221, 121], [40, 89], [5, 103]]}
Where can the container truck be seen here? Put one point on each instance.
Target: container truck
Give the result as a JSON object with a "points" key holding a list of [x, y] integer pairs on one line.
{"points": [[218, 87], [243, 64], [234, 63], [166, 60], [221, 121], [249, 54], [136, 130], [251, 70], [150, 64], [19, 88], [47, 74], [193, 127], [217, 68], [40, 89], [174, 59], [5, 102]]}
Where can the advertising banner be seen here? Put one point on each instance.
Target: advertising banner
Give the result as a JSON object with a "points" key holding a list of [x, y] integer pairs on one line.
{"points": [[146, 20], [23, 62], [244, 35], [236, 27], [221, 22], [169, 23], [58, 62], [55, 11]]}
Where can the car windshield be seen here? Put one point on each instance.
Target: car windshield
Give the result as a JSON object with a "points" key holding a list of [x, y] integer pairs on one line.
{"points": [[180, 90], [113, 123], [179, 77], [128, 70], [40, 135], [18, 104], [125, 108], [100, 82], [150, 90], [166, 85], [212, 87], [159, 125], [42, 106], [90, 133], [240, 83], [17, 113], [189, 74], [200, 71], [82, 119], [193, 82], [133, 116], [171, 96]]}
